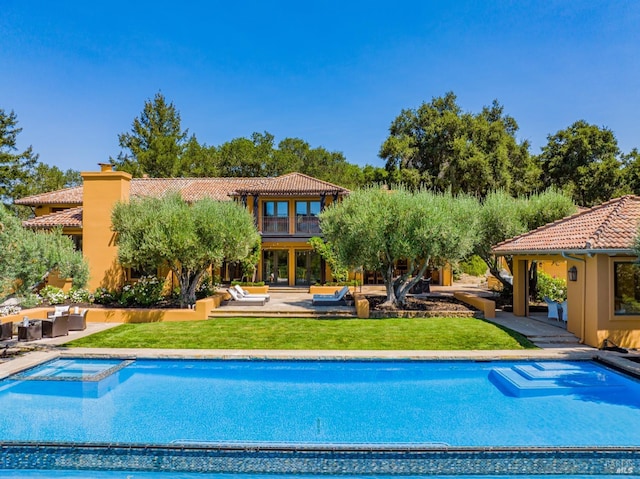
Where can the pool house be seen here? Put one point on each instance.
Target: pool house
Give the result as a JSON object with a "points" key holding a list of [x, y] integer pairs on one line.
{"points": [[596, 246]]}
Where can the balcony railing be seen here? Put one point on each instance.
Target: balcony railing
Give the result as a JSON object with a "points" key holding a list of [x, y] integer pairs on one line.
{"points": [[275, 225], [307, 225]]}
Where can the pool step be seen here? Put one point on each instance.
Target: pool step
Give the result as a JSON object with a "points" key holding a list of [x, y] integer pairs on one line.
{"points": [[545, 379]]}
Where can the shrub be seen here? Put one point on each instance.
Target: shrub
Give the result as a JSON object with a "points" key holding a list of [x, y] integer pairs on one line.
{"points": [[53, 295], [9, 309], [247, 283], [80, 295], [554, 288], [30, 300], [104, 296], [474, 266], [205, 288], [146, 291]]}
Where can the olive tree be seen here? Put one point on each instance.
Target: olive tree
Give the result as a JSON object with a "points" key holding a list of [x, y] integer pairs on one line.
{"points": [[503, 216], [374, 228], [26, 257], [186, 238]]}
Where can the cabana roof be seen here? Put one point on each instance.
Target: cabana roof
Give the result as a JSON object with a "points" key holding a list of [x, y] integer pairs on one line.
{"points": [[609, 228]]}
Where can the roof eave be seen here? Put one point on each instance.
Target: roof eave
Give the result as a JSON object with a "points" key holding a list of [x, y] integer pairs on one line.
{"points": [[607, 251]]}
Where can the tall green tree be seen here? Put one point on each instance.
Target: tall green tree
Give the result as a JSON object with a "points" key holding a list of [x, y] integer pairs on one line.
{"points": [[374, 229], [464, 152], [186, 238], [583, 161], [15, 167], [155, 143]]}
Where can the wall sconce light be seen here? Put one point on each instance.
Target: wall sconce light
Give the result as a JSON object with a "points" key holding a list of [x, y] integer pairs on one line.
{"points": [[572, 273]]}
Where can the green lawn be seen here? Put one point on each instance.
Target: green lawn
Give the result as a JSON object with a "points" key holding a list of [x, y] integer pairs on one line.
{"points": [[298, 333]]}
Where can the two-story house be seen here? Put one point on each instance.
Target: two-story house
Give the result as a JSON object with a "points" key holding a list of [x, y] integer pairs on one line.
{"points": [[285, 209]]}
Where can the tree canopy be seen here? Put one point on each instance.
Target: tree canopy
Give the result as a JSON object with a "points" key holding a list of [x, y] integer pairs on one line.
{"points": [[447, 148], [27, 256], [583, 160], [15, 167], [156, 142], [374, 229], [502, 217], [188, 239]]}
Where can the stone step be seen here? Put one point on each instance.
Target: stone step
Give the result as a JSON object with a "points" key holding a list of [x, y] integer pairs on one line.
{"points": [[542, 379], [281, 314]]}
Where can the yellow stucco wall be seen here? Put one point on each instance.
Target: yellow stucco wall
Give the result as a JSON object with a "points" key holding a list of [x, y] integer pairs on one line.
{"points": [[101, 192], [590, 300]]}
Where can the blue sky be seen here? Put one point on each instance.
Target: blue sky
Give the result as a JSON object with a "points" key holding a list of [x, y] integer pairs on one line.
{"points": [[334, 73]]}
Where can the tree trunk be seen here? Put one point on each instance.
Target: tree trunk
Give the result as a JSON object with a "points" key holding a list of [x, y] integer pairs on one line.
{"points": [[390, 302], [492, 263], [405, 286]]}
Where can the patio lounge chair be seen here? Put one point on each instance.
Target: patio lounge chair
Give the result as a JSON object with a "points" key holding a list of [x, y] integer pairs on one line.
{"points": [[78, 321], [552, 308], [246, 294], [248, 301], [58, 311], [55, 326], [331, 299]]}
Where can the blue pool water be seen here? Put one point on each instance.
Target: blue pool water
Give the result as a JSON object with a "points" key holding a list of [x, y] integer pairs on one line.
{"points": [[431, 404]]}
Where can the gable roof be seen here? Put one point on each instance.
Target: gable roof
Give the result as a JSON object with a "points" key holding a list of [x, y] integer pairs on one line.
{"points": [[70, 218], [193, 189], [609, 227]]}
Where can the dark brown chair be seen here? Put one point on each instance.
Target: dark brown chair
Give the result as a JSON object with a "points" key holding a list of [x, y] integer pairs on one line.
{"points": [[56, 326], [78, 321], [7, 330]]}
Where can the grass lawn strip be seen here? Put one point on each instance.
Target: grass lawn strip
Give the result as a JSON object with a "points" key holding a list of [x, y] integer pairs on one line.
{"points": [[311, 334]]}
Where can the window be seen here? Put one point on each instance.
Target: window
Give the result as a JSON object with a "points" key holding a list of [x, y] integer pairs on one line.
{"points": [[275, 217], [307, 217], [626, 289]]}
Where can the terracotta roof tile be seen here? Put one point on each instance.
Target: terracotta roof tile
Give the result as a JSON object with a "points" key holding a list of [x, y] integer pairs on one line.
{"points": [[191, 189], [610, 226], [291, 184], [66, 196], [70, 218]]}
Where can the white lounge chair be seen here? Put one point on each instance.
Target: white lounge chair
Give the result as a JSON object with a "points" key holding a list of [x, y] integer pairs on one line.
{"points": [[552, 308], [564, 315], [248, 301], [331, 299], [246, 294]]}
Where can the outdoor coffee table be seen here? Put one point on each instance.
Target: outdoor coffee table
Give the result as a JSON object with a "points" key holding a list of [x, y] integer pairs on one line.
{"points": [[31, 332]]}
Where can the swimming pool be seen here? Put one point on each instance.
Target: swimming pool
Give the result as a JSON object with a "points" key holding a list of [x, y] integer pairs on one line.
{"points": [[251, 412]]}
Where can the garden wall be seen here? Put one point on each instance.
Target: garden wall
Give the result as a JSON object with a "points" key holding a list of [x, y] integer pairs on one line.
{"points": [[132, 315]]}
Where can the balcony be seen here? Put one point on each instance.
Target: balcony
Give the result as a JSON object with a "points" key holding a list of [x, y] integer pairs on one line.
{"points": [[305, 225], [275, 225]]}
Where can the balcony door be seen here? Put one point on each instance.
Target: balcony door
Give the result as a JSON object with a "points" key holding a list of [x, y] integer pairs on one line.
{"points": [[307, 221], [275, 267], [275, 217]]}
